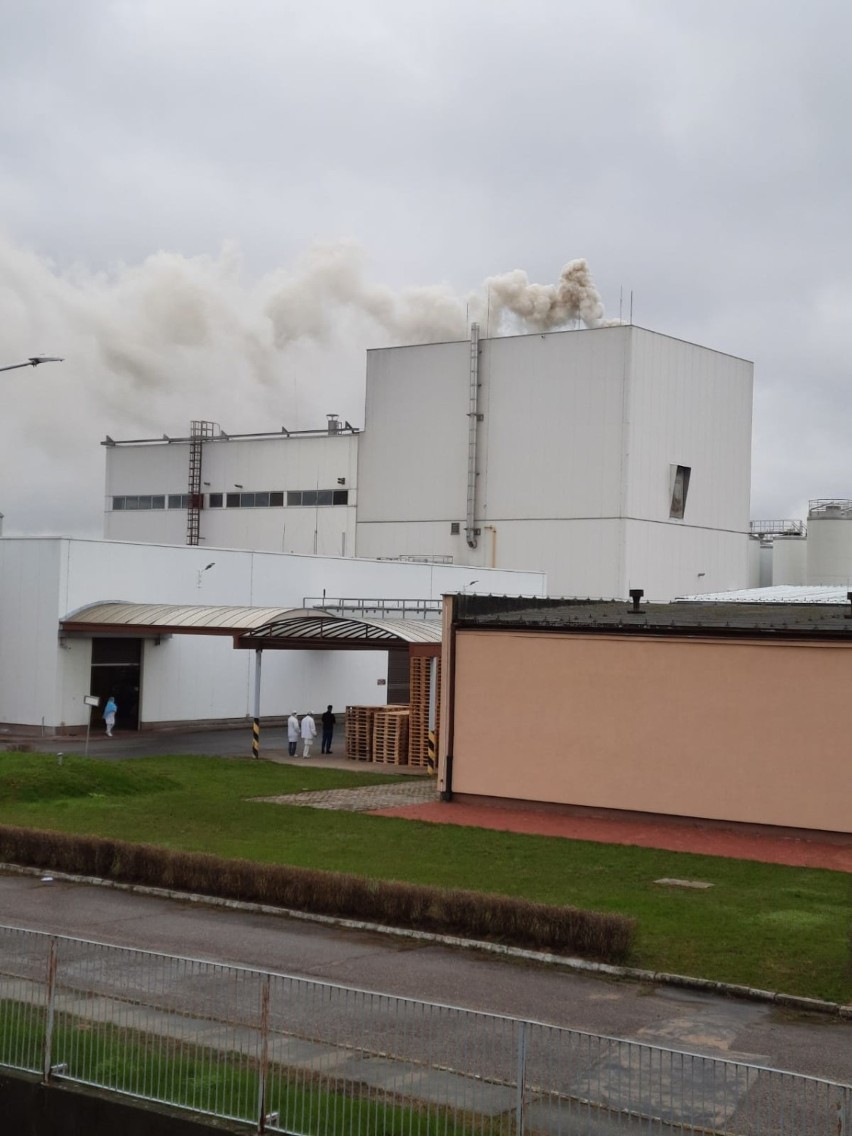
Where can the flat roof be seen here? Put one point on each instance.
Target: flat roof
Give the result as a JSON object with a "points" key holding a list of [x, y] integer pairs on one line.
{"points": [[701, 617]]}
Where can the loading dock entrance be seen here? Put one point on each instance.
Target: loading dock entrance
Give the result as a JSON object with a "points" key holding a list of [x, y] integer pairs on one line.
{"points": [[258, 629], [117, 671]]}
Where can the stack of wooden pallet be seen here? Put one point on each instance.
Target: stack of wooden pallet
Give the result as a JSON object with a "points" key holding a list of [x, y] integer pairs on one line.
{"points": [[359, 732], [390, 735], [418, 738]]}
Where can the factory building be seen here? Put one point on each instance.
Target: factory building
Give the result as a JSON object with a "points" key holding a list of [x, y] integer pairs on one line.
{"points": [[167, 648], [605, 458]]}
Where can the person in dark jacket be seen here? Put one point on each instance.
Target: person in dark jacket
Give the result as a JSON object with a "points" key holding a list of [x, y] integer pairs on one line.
{"points": [[328, 723]]}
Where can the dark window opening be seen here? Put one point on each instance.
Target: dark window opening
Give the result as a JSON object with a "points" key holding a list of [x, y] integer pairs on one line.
{"points": [[216, 500], [340, 497], [276, 498], [232, 500], [680, 488]]}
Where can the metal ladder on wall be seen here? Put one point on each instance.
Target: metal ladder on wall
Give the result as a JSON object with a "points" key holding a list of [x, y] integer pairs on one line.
{"points": [[199, 433]]}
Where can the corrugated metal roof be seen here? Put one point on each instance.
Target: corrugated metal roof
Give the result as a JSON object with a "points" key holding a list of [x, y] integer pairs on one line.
{"points": [[314, 624], [225, 619], [779, 593], [255, 623]]}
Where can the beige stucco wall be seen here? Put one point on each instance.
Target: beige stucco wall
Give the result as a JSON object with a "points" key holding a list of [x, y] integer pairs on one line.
{"points": [[744, 731]]}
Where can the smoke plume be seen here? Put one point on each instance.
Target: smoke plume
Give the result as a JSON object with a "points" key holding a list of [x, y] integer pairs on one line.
{"points": [[148, 347]]}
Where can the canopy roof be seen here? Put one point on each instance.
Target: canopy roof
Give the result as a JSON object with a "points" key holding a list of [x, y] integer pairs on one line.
{"points": [[252, 627]]}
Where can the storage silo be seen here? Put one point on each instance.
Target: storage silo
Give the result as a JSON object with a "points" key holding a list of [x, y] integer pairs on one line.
{"points": [[830, 542]]}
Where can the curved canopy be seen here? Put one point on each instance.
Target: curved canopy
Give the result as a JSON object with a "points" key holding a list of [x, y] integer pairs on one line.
{"points": [[251, 627]]}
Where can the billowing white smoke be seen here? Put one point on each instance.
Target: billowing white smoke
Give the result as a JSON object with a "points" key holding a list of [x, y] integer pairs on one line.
{"points": [[307, 301], [547, 306], [149, 347]]}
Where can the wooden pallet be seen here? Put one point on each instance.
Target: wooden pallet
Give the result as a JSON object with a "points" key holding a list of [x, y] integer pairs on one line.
{"points": [[390, 735], [359, 732], [418, 738]]}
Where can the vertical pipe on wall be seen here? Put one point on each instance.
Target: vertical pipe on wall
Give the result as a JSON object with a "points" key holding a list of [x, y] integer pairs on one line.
{"points": [[471, 532], [448, 671]]}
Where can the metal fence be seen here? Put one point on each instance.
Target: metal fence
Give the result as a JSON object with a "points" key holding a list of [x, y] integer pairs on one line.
{"points": [[284, 1054]]}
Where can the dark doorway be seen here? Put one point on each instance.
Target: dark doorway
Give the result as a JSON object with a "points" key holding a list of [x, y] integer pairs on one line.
{"points": [[398, 680], [117, 671]]}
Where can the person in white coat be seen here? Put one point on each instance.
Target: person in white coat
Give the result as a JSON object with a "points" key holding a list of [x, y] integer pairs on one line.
{"points": [[309, 732], [292, 734]]}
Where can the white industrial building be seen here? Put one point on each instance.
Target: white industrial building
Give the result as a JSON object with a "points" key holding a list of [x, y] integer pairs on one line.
{"points": [[609, 459], [807, 553], [50, 662]]}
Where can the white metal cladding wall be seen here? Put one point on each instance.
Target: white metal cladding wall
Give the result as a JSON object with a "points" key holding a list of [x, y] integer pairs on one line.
{"points": [[412, 461], [675, 560], [691, 406], [30, 573], [255, 464], [829, 551], [789, 561], [551, 436], [422, 538], [581, 558]]}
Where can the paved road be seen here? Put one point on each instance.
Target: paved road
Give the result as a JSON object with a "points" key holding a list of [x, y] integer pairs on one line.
{"points": [[678, 1019]]}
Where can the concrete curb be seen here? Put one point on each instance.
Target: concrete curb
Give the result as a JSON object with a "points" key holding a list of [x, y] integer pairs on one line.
{"points": [[582, 966]]}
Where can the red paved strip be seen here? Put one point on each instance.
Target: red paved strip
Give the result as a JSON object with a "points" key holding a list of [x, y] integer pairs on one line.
{"points": [[797, 853]]}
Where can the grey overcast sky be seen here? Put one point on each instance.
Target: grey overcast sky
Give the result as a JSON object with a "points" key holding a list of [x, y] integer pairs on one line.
{"points": [[173, 171]]}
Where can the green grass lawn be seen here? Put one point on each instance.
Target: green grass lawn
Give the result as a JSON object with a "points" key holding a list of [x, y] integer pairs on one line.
{"points": [[763, 925]]}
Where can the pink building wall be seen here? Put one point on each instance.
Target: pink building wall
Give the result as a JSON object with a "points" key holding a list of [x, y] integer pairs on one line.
{"points": [[737, 730]]}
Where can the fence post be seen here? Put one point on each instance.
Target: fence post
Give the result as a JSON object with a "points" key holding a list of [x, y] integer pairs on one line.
{"points": [[522, 1076], [51, 1011], [263, 1061]]}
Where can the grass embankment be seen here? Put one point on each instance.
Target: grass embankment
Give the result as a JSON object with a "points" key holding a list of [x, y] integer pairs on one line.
{"points": [[760, 924]]}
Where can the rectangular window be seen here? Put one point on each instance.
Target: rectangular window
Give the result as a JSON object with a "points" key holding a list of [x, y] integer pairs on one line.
{"points": [[324, 496], [131, 502], [309, 497], [158, 502], [118, 502], [247, 500], [215, 501], [294, 497], [341, 497], [176, 501], [276, 498], [679, 488], [232, 500], [261, 500]]}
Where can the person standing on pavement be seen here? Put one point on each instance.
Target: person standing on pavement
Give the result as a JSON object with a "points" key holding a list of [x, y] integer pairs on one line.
{"points": [[309, 732], [292, 734], [110, 711], [328, 723]]}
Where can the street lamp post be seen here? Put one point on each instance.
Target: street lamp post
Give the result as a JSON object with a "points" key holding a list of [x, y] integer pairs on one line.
{"points": [[33, 361]]}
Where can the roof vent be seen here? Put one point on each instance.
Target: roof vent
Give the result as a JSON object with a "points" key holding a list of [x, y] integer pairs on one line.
{"points": [[849, 597], [636, 595], [334, 426]]}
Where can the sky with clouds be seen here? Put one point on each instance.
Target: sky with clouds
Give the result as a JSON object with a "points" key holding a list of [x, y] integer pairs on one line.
{"points": [[176, 172]]}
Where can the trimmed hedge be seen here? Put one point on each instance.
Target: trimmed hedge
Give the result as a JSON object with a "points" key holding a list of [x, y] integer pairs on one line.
{"points": [[499, 918]]}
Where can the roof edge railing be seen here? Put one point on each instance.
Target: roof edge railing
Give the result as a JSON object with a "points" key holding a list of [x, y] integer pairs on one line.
{"points": [[382, 608]]}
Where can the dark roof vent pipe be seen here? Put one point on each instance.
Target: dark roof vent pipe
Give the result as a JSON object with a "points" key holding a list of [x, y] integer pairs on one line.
{"points": [[636, 595]]}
